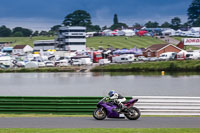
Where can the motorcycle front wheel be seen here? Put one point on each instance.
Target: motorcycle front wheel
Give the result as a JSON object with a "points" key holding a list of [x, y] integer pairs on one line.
{"points": [[99, 114], [133, 113]]}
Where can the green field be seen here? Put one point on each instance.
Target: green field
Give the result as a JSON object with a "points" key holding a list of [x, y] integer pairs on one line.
{"points": [[102, 130], [24, 40], [122, 42], [95, 42]]}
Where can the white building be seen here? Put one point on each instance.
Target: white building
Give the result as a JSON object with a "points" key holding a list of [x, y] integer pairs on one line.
{"points": [[22, 49], [44, 45], [72, 38]]}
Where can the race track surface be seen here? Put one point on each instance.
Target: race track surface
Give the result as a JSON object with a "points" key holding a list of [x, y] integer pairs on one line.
{"points": [[89, 122]]}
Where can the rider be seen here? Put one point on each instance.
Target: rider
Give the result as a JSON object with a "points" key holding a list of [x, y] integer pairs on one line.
{"points": [[118, 99]]}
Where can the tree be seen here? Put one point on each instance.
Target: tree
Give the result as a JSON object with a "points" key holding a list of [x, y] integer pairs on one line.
{"points": [[197, 22], [185, 26], [78, 18], [104, 27], [115, 20], [55, 28], [36, 33], [93, 28], [137, 26], [194, 12], [176, 23], [119, 26], [166, 25], [150, 24], [18, 34], [24, 31], [4, 31], [43, 33]]}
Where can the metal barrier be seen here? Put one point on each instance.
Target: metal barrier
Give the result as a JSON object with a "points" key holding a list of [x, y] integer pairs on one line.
{"points": [[162, 105], [85, 105]]}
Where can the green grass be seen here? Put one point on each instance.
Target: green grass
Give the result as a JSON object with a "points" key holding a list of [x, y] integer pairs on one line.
{"points": [[24, 40], [122, 42], [45, 69], [175, 66], [95, 42], [179, 38], [102, 130]]}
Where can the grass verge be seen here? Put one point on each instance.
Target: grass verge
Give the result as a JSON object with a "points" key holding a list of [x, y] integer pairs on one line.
{"points": [[46, 69], [168, 66], [103, 130]]}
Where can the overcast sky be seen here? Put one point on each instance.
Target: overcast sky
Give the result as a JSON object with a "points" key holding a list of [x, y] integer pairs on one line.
{"points": [[43, 14]]}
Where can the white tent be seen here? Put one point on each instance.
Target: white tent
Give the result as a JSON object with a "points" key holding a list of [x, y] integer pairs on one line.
{"points": [[169, 32], [195, 29], [129, 32]]}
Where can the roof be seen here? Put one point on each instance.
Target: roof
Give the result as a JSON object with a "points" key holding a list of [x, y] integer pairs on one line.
{"points": [[156, 47], [19, 47]]}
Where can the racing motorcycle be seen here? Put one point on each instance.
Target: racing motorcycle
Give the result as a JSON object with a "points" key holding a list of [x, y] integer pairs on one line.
{"points": [[106, 108]]}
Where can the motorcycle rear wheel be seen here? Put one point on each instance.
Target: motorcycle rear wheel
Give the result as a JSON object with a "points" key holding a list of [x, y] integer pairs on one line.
{"points": [[133, 113], [99, 114]]}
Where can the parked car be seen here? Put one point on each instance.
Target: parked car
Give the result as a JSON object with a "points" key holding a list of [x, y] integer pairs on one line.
{"points": [[49, 63], [141, 58], [86, 61], [76, 62], [104, 61], [41, 64], [168, 56], [192, 55], [153, 59], [62, 63], [123, 58]]}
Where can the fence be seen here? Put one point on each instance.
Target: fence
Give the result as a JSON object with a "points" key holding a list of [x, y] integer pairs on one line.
{"points": [[85, 105]]}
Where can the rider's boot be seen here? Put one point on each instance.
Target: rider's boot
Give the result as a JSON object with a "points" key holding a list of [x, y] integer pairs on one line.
{"points": [[123, 108]]}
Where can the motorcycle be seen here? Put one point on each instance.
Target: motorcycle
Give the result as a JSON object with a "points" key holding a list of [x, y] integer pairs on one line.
{"points": [[109, 109]]}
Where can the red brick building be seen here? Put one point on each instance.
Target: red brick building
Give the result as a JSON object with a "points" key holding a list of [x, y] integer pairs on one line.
{"points": [[157, 49]]}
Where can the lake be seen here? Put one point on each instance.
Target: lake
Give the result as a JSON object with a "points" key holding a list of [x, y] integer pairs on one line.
{"points": [[97, 84]]}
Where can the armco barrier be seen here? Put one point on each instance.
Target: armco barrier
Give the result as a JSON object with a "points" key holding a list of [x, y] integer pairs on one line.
{"points": [[149, 105], [162, 105], [55, 105]]}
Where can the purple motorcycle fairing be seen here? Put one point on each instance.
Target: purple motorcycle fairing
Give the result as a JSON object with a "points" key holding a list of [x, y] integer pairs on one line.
{"points": [[109, 109]]}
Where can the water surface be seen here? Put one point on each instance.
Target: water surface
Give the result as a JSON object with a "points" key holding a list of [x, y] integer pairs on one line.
{"points": [[97, 84]]}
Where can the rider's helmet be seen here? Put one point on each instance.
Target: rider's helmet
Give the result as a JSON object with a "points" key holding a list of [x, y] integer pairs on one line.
{"points": [[111, 93]]}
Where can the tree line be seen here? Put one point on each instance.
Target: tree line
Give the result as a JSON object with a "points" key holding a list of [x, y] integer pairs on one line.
{"points": [[21, 32], [83, 18]]}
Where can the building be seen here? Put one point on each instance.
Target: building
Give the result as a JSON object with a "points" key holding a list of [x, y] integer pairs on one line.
{"points": [[71, 38], [44, 45], [4, 44], [157, 49], [22, 49]]}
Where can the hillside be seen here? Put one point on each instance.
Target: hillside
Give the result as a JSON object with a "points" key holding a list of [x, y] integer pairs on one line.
{"points": [[95, 42], [122, 42]]}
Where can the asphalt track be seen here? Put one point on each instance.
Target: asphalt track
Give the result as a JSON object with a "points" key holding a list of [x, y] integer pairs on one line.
{"points": [[89, 122]]}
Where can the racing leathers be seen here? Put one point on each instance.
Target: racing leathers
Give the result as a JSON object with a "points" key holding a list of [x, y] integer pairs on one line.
{"points": [[118, 99]]}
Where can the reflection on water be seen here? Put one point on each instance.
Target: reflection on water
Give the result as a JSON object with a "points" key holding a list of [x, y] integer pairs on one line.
{"points": [[98, 84]]}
